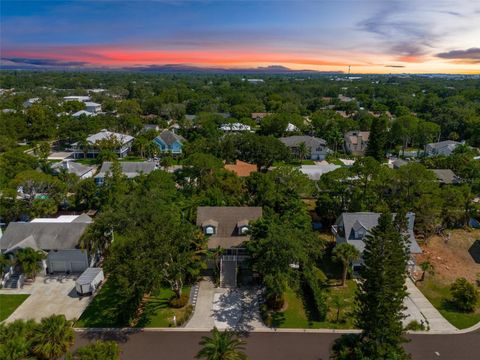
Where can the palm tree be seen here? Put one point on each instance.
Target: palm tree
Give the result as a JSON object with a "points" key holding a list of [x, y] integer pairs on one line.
{"points": [[302, 151], [53, 337], [345, 254], [29, 259], [222, 346], [101, 350], [426, 266]]}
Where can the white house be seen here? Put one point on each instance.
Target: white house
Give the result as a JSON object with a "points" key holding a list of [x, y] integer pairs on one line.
{"points": [[77, 98], [124, 144], [30, 102], [83, 112], [72, 167], [93, 107], [235, 127]]}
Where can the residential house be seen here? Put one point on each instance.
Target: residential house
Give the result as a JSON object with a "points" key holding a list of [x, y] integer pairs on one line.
{"points": [[130, 169], [352, 228], [151, 127], [316, 148], [241, 168], [79, 98], [227, 228], [83, 112], [123, 142], [72, 167], [169, 142], [259, 116], [445, 148], [446, 177], [93, 107], [314, 172], [291, 128], [356, 142], [235, 127], [30, 102], [58, 237]]}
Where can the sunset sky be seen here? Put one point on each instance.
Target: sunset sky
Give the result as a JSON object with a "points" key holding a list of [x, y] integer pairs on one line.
{"points": [[420, 36]]}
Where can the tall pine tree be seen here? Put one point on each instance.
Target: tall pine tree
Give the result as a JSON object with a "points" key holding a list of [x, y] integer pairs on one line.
{"points": [[377, 141], [379, 310]]}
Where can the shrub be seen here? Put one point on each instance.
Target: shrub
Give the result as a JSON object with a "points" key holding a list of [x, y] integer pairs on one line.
{"points": [[414, 325], [464, 295], [186, 316], [180, 302]]}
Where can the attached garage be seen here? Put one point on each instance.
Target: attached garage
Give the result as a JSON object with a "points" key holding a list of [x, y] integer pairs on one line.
{"points": [[67, 261]]}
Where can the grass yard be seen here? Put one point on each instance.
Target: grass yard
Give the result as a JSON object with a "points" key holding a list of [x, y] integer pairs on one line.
{"points": [[87, 161], [158, 313], [438, 294], [102, 311], [9, 303], [298, 310]]}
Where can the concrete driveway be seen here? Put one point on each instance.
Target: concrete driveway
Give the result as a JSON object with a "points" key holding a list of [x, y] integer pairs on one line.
{"points": [[236, 308], [50, 295]]}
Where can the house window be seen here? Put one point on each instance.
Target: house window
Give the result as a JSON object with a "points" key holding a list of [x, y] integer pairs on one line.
{"points": [[359, 234], [209, 230], [243, 230]]}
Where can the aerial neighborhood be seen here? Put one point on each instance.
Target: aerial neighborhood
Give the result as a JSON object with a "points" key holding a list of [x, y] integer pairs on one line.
{"points": [[239, 204]]}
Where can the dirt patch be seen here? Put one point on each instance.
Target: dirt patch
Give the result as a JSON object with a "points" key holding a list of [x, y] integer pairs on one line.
{"points": [[452, 259]]}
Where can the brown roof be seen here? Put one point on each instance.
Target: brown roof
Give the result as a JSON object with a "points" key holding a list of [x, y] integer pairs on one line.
{"points": [[227, 218], [241, 168]]}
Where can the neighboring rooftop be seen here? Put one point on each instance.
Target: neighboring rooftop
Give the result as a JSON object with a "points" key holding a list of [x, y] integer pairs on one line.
{"points": [[169, 137], [314, 172], [59, 233], [130, 169], [446, 176], [310, 141], [227, 219], [106, 135], [241, 168], [72, 167], [354, 135]]}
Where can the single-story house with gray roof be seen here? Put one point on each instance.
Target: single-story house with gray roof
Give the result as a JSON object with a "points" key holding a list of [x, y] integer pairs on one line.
{"points": [[72, 167], [352, 228], [130, 169], [58, 237], [316, 148]]}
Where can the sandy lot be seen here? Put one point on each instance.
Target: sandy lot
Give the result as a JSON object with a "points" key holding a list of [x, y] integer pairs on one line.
{"points": [[455, 258]]}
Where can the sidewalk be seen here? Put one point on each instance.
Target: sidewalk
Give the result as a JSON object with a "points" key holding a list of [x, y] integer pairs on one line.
{"points": [[436, 321]]}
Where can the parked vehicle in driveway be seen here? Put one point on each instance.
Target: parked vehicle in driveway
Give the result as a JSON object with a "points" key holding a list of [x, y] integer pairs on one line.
{"points": [[89, 281]]}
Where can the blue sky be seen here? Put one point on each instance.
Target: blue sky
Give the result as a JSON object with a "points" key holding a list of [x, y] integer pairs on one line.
{"points": [[372, 36]]}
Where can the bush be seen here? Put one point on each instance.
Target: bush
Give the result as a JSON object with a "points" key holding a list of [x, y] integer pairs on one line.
{"points": [[414, 325], [186, 316], [464, 295], [180, 302]]}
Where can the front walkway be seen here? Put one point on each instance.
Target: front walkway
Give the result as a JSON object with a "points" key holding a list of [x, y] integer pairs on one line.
{"points": [[417, 304], [226, 308]]}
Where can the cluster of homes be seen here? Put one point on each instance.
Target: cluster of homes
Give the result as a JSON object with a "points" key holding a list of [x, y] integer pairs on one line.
{"points": [[226, 228]]}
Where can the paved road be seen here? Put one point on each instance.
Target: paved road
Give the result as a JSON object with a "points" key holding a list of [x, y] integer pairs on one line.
{"points": [[177, 345]]}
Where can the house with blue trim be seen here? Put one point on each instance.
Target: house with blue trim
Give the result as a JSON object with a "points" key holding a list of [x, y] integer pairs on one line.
{"points": [[169, 142]]}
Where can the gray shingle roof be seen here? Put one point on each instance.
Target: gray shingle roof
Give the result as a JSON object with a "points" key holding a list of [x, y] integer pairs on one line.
{"points": [[43, 235], [227, 218], [442, 144], [446, 176], [309, 141], [130, 169], [368, 220], [72, 167], [105, 135], [169, 137]]}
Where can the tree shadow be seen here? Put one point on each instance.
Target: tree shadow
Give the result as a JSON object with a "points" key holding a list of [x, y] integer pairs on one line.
{"points": [[474, 251], [117, 335], [151, 308]]}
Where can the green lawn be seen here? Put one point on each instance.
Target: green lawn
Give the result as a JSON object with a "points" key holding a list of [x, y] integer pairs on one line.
{"points": [[103, 310], [87, 161], [298, 311], [9, 302], [157, 312], [438, 294]]}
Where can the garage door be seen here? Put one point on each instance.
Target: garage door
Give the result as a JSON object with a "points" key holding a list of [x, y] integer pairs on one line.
{"points": [[58, 266], [78, 267]]}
